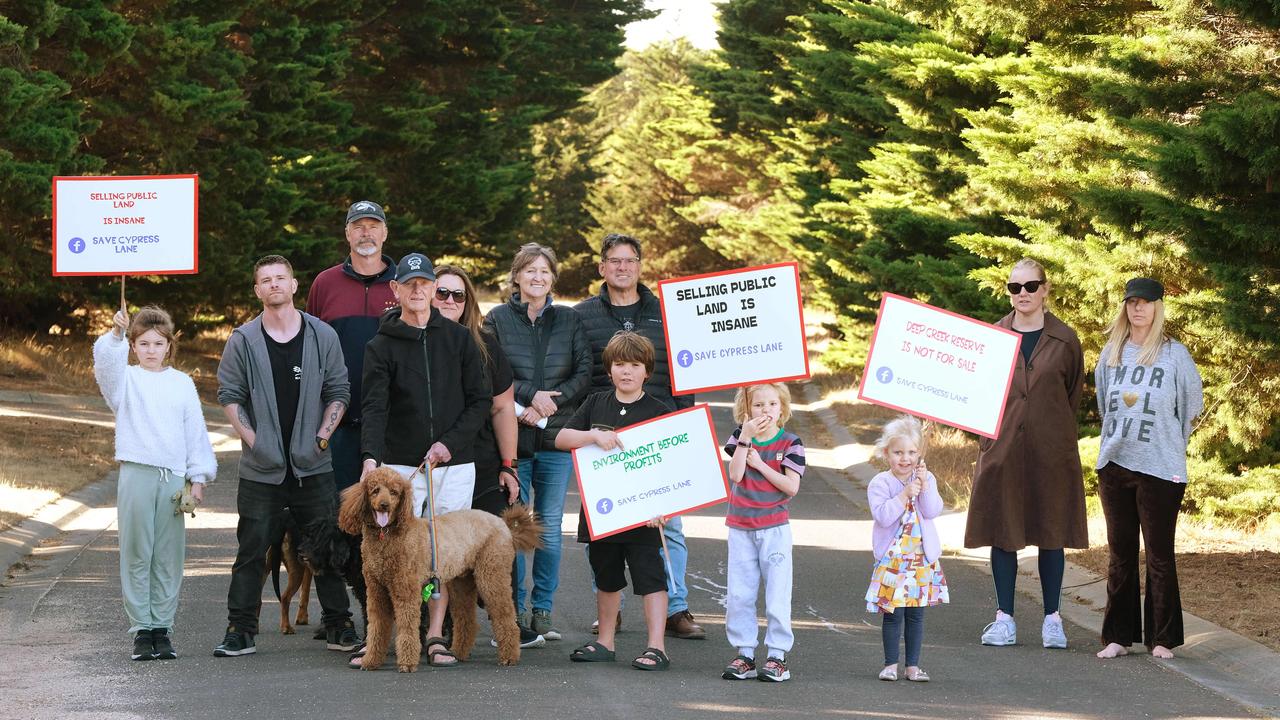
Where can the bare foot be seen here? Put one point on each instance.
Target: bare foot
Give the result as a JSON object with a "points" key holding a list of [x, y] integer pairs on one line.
{"points": [[1161, 652], [1113, 650]]}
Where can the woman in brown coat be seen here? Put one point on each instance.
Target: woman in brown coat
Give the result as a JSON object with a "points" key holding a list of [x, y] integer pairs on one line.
{"points": [[1028, 488]]}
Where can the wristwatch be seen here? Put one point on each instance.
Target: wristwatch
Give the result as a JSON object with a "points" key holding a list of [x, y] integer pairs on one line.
{"points": [[322, 443]]}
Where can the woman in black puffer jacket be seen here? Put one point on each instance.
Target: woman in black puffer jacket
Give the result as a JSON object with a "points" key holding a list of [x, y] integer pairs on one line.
{"points": [[551, 360]]}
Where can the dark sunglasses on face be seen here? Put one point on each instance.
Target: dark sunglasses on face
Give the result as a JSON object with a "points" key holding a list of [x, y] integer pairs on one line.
{"points": [[459, 296], [1032, 286]]}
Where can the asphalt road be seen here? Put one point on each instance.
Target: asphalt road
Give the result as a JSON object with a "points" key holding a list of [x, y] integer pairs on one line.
{"points": [[67, 653]]}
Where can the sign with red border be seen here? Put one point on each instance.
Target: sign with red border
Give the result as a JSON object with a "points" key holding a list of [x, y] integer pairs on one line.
{"points": [[939, 365], [129, 225], [669, 465], [733, 328]]}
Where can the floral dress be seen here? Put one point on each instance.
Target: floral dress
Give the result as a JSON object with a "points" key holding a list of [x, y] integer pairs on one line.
{"points": [[902, 578]]}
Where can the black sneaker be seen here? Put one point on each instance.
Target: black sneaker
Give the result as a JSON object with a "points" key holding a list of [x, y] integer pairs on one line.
{"points": [[235, 644], [143, 648], [163, 645], [320, 634], [343, 637]]}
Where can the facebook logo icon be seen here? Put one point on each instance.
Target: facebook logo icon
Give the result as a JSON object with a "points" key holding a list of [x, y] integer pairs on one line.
{"points": [[76, 245], [884, 375]]}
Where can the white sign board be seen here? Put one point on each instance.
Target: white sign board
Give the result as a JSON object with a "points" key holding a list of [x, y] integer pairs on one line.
{"points": [[734, 328], [668, 466], [125, 225], [939, 365]]}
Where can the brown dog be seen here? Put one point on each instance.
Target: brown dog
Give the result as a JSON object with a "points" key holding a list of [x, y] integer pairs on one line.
{"points": [[286, 552], [474, 553]]}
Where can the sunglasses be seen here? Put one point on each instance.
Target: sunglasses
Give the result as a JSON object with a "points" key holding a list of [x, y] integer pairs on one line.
{"points": [[459, 296], [1031, 286]]}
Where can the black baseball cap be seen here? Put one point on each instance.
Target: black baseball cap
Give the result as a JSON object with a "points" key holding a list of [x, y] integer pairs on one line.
{"points": [[365, 209], [1145, 288], [414, 265]]}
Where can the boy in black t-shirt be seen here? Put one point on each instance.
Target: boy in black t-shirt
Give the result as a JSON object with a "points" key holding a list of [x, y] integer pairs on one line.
{"points": [[629, 358]]}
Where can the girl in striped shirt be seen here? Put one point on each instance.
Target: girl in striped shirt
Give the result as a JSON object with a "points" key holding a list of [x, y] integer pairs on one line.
{"points": [[765, 468]]}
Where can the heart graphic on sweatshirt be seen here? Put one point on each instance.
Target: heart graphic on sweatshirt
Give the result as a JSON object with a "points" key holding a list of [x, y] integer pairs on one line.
{"points": [[1130, 398]]}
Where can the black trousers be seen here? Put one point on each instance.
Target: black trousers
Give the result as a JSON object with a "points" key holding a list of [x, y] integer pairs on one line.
{"points": [[1137, 503], [262, 508]]}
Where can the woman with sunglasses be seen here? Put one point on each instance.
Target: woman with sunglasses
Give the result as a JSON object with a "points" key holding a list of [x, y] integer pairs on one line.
{"points": [[497, 485], [1028, 487]]}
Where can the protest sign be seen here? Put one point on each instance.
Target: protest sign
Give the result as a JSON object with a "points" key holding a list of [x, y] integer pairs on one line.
{"points": [[734, 328], [141, 225], [939, 365], [667, 466]]}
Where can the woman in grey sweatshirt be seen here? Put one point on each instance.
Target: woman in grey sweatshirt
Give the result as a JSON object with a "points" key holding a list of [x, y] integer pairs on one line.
{"points": [[1149, 395]]}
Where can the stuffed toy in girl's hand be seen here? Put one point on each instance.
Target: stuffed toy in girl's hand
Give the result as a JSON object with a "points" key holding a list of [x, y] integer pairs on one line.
{"points": [[186, 501]]}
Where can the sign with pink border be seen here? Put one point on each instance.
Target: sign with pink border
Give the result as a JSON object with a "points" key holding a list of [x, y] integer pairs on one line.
{"points": [[137, 225], [939, 365]]}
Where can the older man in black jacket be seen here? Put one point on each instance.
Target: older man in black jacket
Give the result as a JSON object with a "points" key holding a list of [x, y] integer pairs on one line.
{"points": [[625, 304], [425, 397]]}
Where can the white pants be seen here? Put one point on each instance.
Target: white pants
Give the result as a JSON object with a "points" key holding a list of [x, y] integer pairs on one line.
{"points": [[756, 555], [452, 486]]}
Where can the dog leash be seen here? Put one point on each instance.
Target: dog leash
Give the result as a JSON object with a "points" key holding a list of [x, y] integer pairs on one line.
{"points": [[432, 588]]}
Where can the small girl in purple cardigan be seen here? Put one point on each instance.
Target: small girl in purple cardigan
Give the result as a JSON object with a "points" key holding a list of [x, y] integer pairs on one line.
{"points": [[907, 578]]}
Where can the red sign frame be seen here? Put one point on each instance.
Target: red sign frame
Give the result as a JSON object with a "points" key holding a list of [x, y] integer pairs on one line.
{"points": [[804, 340], [1013, 363], [724, 474], [195, 223]]}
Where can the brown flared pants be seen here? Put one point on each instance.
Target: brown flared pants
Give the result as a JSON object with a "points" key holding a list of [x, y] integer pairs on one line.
{"points": [[1134, 502]]}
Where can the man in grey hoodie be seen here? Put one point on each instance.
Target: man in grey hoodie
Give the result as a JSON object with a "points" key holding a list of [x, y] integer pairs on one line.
{"points": [[283, 385]]}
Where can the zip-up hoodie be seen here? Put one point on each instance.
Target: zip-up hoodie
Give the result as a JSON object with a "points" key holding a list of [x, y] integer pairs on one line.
{"points": [[244, 379], [422, 386]]}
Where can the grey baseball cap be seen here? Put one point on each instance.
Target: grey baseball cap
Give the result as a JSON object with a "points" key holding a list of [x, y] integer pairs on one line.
{"points": [[365, 209], [414, 265]]}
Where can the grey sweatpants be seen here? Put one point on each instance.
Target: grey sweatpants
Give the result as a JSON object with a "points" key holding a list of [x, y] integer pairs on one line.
{"points": [[153, 544], [756, 555]]}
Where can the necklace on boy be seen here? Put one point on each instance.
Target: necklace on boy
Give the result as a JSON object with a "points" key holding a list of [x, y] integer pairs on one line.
{"points": [[623, 409]]}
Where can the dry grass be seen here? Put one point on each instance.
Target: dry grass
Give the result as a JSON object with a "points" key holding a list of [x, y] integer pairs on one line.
{"points": [[63, 364], [84, 453]]}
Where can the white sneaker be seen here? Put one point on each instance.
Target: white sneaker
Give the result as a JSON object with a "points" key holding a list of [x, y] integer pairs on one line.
{"points": [[1004, 631], [1051, 632]]}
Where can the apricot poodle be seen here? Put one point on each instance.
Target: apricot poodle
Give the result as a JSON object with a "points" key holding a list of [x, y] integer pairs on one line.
{"points": [[474, 554]]}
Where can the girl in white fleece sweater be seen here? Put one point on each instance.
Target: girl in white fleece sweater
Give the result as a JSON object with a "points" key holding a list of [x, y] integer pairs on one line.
{"points": [[161, 443]]}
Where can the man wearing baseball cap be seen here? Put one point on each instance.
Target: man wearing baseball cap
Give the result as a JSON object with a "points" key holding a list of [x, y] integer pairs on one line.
{"points": [[351, 296], [425, 396]]}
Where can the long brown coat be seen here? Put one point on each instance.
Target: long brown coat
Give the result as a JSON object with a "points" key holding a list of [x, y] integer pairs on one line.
{"points": [[1028, 488]]}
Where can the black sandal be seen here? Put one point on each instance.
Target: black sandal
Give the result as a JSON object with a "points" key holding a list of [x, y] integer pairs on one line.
{"points": [[433, 654], [593, 652], [659, 658], [357, 655]]}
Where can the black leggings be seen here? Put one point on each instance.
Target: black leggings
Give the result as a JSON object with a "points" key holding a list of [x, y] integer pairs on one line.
{"points": [[1004, 569]]}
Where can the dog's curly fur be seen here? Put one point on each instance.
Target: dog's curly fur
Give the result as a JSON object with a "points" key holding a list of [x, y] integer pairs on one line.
{"points": [[326, 550], [474, 554]]}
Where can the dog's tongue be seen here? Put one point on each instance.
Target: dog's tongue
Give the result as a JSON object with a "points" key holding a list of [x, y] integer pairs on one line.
{"points": [[382, 518]]}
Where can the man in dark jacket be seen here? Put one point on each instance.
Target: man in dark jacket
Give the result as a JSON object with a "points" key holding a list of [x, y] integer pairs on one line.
{"points": [[625, 304], [351, 296], [426, 395]]}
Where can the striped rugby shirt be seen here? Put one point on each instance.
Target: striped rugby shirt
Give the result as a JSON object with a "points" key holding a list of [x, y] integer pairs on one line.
{"points": [[754, 503]]}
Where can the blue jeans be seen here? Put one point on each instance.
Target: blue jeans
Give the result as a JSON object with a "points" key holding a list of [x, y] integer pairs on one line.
{"points": [[892, 629], [546, 477], [677, 592]]}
